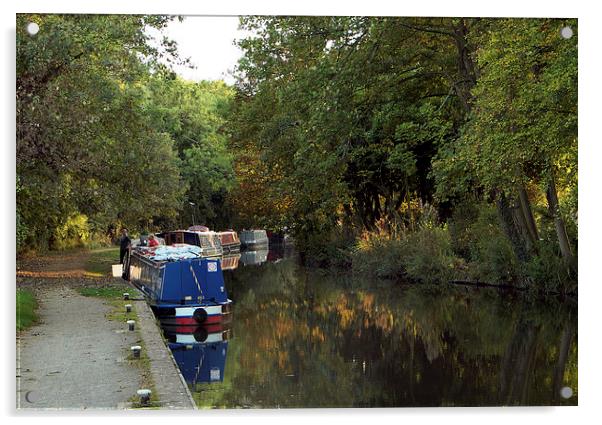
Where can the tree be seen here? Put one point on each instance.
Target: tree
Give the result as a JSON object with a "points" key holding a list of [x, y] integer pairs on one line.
{"points": [[523, 125], [84, 145]]}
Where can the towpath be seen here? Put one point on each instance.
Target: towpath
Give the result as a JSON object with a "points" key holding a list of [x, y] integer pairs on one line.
{"points": [[75, 358]]}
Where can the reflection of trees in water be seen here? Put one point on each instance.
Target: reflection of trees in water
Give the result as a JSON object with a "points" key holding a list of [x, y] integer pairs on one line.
{"points": [[304, 339]]}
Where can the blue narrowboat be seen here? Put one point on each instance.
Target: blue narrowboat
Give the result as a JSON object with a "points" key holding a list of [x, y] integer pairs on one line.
{"points": [[180, 286]]}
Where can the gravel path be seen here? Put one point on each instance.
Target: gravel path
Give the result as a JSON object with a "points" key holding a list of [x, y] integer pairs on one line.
{"points": [[75, 358]]}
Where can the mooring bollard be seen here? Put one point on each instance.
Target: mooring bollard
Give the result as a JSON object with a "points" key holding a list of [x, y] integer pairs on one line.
{"points": [[126, 296], [144, 395], [131, 324], [136, 351], [128, 308]]}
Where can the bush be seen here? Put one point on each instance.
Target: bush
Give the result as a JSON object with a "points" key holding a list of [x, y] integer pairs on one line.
{"points": [[428, 255], [548, 271], [379, 257], [491, 255], [22, 232], [463, 217], [493, 259], [73, 233], [423, 255], [327, 249]]}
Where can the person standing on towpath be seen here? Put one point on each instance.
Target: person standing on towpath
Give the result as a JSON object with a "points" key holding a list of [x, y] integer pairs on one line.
{"points": [[124, 244]]}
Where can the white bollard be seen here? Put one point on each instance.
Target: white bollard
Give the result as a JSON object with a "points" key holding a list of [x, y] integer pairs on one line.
{"points": [[144, 395], [126, 296], [131, 324], [136, 351], [128, 308]]}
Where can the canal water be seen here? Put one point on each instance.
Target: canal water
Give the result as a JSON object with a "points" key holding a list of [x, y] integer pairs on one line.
{"points": [[304, 338]]}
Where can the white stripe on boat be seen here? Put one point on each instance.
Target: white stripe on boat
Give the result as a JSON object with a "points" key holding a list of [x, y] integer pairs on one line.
{"points": [[189, 311]]}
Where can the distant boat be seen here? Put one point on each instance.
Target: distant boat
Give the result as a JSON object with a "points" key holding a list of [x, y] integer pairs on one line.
{"points": [[254, 238], [229, 240]]}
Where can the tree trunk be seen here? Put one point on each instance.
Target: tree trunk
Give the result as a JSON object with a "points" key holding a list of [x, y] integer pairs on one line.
{"points": [[554, 209], [523, 228], [525, 205], [465, 64], [511, 218]]}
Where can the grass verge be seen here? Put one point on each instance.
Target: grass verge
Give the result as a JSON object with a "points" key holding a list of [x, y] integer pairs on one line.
{"points": [[26, 309], [100, 261]]}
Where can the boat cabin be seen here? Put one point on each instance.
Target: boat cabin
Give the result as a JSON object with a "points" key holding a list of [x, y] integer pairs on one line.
{"points": [[209, 242], [229, 240]]}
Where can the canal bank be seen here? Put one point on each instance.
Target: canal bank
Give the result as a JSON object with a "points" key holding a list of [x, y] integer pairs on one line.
{"points": [[172, 391]]}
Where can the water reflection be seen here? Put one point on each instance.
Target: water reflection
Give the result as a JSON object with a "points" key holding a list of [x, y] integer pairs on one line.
{"points": [[230, 261], [199, 351], [306, 339], [254, 257]]}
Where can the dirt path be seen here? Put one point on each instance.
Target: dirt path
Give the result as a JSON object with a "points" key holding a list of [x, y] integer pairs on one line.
{"points": [[55, 265], [75, 358]]}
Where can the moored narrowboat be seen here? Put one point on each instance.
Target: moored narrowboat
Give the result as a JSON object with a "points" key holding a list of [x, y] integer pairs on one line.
{"points": [[229, 240], [181, 286], [208, 241], [254, 238]]}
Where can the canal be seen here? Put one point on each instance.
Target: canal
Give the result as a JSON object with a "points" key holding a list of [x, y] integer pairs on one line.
{"points": [[305, 338]]}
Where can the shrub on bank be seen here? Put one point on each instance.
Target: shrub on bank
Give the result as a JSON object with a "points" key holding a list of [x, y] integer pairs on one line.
{"points": [[492, 259], [429, 256], [423, 255], [326, 249]]}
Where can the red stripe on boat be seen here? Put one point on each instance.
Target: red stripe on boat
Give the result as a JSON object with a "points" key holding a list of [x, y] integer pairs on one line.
{"points": [[216, 318]]}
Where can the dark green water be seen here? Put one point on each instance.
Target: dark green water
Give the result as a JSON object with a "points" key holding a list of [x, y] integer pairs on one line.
{"points": [[300, 338]]}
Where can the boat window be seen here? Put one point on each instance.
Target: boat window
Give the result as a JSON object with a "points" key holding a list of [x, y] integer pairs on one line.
{"points": [[179, 237], [190, 238]]}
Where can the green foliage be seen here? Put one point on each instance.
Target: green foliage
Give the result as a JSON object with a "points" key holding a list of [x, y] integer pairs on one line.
{"points": [[327, 249], [104, 131], [84, 145], [73, 233], [26, 307], [107, 291], [463, 217], [491, 255], [422, 255], [428, 255], [524, 115], [548, 272], [344, 112], [359, 119]]}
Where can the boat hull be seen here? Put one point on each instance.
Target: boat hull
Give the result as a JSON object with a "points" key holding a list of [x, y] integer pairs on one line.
{"points": [[193, 315]]}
